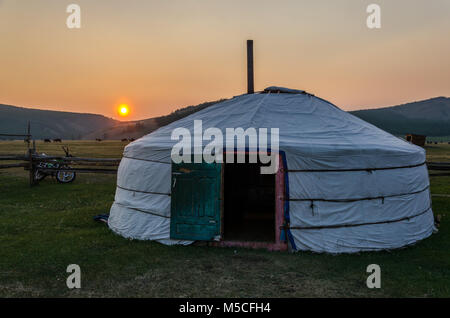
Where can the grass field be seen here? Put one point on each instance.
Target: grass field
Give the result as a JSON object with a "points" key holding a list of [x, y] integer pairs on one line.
{"points": [[45, 228]]}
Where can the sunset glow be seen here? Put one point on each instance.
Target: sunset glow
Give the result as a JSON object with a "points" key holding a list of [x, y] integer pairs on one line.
{"points": [[164, 55], [124, 110]]}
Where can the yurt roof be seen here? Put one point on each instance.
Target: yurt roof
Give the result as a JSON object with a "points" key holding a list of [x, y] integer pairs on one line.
{"points": [[314, 132]]}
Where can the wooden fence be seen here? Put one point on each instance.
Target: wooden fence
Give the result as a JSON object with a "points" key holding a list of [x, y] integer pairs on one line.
{"points": [[31, 160], [83, 165], [109, 165], [438, 166], [443, 168]]}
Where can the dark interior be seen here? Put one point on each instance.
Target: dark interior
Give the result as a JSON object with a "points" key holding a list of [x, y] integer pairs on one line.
{"points": [[249, 203]]}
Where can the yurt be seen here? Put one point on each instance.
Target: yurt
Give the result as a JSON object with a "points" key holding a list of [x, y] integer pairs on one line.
{"points": [[342, 185]]}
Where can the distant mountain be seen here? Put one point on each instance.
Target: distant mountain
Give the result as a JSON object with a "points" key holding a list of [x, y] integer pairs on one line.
{"points": [[66, 125], [429, 117], [50, 124]]}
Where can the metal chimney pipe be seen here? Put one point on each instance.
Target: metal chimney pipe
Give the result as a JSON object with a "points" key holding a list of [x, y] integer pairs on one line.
{"points": [[250, 80]]}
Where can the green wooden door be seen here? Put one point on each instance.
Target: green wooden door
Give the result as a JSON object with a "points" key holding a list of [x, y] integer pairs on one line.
{"points": [[195, 201]]}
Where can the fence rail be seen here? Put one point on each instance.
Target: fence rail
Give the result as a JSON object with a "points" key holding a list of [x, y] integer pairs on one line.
{"points": [[91, 165], [442, 168], [32, 161], [438, 166], [80, 170], [75, 159], [14, 157]]}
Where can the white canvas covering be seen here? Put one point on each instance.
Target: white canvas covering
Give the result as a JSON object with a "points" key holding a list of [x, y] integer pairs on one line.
{"points": [[351, 186]]}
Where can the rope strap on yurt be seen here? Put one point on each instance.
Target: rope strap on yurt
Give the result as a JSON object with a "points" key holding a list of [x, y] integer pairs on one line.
{"points": [[143, 211], [382, 197], [358, 169], [140, 191], [359, 224], [156, 161]]}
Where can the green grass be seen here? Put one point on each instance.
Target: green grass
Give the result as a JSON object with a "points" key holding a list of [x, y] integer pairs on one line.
{"points": [[439, 152], [78, 148], [45, 228]]}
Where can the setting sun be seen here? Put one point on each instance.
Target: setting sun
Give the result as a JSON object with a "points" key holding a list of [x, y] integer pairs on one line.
{"points": [[123, 110]]}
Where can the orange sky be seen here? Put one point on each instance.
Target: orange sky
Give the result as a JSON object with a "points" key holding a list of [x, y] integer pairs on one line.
{"points": [[161, 55]]}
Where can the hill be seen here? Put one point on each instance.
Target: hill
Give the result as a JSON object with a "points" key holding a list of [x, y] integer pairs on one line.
{"points": [[429, 117], [50, 124], [67, 125]]}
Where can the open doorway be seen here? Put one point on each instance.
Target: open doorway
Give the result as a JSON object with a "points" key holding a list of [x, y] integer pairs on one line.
{"points": [[249, 203]]}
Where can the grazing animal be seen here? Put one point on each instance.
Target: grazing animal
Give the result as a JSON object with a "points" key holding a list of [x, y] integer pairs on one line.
{"points": [[47, 140], [57, 140], [124, 139], [98, 139]]}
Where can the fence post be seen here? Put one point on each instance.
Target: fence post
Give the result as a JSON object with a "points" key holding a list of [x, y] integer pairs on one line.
{"points": [[32, 152], [30, 155], [31, 167], [28, 135]]}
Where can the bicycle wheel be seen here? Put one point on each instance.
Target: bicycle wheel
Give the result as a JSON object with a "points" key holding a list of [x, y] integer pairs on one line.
{"points": [[65, 176]]}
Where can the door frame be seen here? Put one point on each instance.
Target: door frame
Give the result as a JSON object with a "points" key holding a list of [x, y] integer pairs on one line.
{"points": [[279, 244]]}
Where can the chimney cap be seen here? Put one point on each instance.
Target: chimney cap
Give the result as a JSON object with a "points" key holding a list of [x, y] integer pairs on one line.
{"points": [[279, 89]]}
